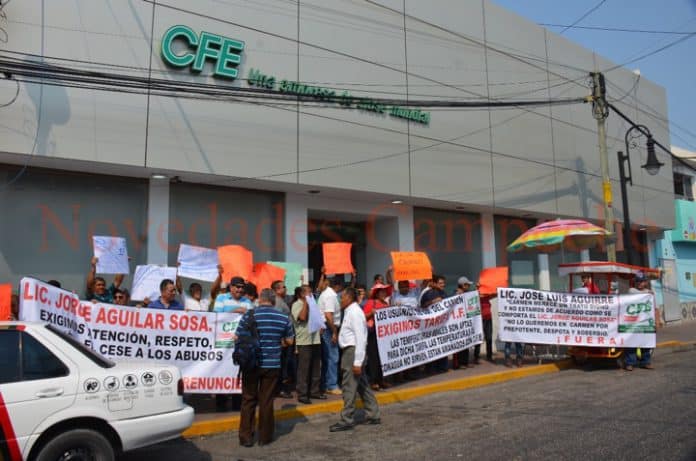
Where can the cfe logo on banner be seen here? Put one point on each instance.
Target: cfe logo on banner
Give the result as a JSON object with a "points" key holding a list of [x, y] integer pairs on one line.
{"points": [[543, 317], [199, 343], [408, 337]]}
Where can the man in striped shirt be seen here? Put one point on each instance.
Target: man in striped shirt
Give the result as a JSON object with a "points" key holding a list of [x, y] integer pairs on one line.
{"points": [[258, 386]]}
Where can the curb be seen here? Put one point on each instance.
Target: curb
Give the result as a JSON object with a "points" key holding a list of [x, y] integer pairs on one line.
{"points": [[231, 423]]}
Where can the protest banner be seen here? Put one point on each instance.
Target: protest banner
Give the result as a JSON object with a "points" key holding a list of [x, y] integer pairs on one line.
{"points": [[147, 279], [5, 301], [293, 274], [492, 278], [411, 336], [236, 261], [197, 263], [265, 274], [337, 258], [544, 317], [199, 343], [112, 254], [411, 265]]}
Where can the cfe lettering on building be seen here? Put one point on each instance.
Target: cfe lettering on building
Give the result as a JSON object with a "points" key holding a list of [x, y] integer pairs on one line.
{"points": [[224, 52]]}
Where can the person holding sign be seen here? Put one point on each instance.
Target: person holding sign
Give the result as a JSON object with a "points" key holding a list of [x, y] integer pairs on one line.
{"points": [[353, 342], [308, 349], [461, 358], [631, 360], [96, 286], [379, 295]]}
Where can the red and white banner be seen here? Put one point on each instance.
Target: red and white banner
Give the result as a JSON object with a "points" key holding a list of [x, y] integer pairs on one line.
{"points": [[411, 336], [544, 317], [199, 343]]}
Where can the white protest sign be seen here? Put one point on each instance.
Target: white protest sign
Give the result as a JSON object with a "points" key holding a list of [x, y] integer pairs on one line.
{"points": [[197, 342], [573, 319], [317, 320], [412, 336], [147, 279], [112, 254], [198, 263]]}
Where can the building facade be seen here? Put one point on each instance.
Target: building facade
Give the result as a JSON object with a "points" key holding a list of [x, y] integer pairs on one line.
{"points": [[282, 176]]}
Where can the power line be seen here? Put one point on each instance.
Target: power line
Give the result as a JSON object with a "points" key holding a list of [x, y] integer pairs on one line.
{"points": [[648, 134], [616, 29], [589, 12]]}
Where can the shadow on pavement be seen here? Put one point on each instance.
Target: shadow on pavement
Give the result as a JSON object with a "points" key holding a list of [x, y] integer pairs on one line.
{"points": [[174, 449]]}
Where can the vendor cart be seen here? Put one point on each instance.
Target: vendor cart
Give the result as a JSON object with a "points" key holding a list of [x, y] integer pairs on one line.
{"points": [[609, 278]]}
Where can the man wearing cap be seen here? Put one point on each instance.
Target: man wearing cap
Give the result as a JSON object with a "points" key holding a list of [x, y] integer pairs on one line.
{"points": [[642, 285], [329, 306], [461, 358], [233, 301]]}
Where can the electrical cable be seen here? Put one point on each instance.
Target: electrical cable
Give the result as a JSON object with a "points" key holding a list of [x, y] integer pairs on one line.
{"points": [[617, 29], [589, 12]]}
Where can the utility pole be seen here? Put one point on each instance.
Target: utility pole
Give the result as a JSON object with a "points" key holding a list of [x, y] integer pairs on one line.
{"points": [[600, 111]]}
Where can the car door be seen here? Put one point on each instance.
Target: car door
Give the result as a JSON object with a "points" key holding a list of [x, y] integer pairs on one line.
{"points": [[35, 383]]}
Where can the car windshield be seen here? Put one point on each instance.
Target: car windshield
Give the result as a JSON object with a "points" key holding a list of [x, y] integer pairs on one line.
{"points": [[86, 351]]}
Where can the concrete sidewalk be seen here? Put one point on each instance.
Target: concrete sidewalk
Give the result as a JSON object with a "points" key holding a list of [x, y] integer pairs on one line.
{"points": [[209, 421]]}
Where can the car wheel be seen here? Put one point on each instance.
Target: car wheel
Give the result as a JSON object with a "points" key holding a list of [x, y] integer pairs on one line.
{"points": [[77, 445]]}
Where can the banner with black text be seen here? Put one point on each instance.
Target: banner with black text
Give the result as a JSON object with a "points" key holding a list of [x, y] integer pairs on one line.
{"points": [[544, 317], [199, 343], [412, 336]]}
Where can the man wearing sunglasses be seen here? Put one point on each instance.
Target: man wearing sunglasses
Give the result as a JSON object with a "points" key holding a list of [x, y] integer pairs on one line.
{"points": [[233, 301]]}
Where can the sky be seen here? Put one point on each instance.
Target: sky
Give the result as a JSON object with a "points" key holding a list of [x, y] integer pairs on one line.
{"points": [[673, 68]]}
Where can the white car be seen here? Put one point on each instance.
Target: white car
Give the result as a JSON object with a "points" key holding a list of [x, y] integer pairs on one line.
{"points": [[59, 400]]}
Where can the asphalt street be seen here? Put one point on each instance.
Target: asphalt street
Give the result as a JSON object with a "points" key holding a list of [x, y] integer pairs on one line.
{"points": [[576, 414]]}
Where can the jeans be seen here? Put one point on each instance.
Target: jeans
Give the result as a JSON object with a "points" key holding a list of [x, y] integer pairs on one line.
{"points": [[519, 350], [329, 362], [632, 357]]}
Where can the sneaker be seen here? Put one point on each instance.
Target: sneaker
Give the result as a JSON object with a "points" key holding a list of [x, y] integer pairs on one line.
{"points": [[336, 391], [647, 367], [628, 368], [375, 387], [285, 395], [338, 427]]}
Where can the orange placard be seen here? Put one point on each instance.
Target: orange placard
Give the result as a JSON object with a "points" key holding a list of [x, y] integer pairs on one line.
{"points": [[265, 274], [491, 279], [236, 261], [5, 301], [337, 258], [411, 265]]}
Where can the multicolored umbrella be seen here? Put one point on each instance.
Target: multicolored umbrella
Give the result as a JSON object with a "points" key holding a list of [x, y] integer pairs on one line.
{"points": [[571, 234]]}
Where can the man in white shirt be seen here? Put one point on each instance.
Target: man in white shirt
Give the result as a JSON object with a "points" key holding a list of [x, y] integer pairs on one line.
{"points": [[353, 341], [194, 300], [330, 307]]}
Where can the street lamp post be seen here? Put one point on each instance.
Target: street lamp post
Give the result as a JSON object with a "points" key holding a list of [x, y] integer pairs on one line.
{"points": [[652, 166]]}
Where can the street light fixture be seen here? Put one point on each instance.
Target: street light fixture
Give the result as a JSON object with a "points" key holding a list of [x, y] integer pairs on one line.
{"points": [[652, 166]]}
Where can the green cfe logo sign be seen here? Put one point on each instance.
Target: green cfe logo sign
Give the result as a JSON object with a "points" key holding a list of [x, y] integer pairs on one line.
{"points": [[224, 52]]}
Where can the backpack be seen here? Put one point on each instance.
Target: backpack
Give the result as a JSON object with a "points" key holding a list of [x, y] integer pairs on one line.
{"points": [[247, 348]]}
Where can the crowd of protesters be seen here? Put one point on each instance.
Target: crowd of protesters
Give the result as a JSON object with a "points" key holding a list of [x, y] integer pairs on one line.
{"points": [[342, 358]]}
